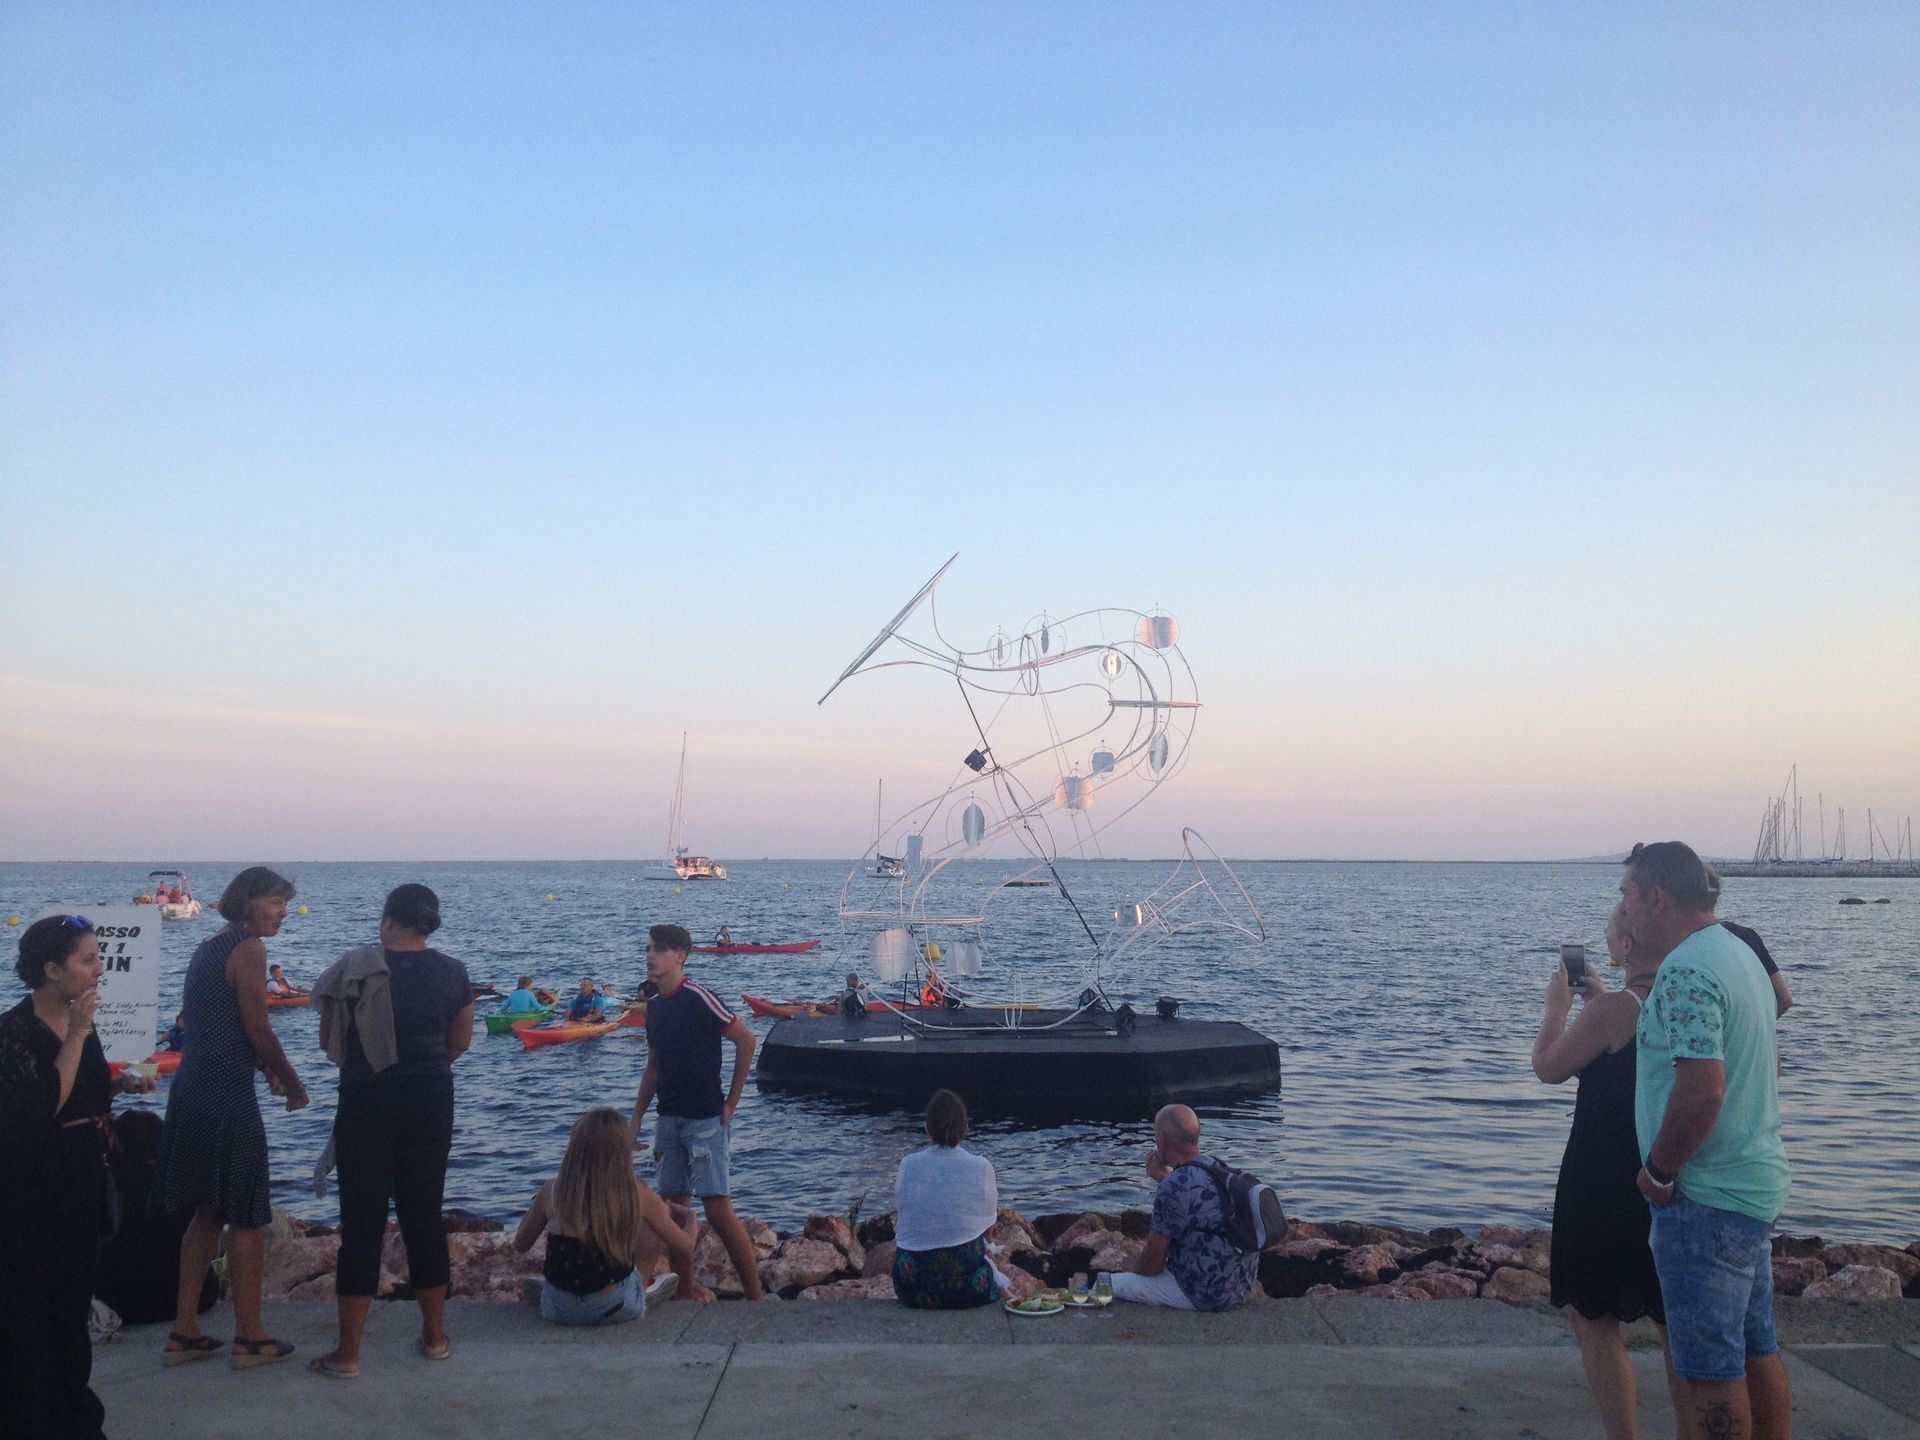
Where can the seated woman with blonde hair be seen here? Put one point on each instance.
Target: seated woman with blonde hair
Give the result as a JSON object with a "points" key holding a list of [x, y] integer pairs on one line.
{"points": [[604, 1230]]}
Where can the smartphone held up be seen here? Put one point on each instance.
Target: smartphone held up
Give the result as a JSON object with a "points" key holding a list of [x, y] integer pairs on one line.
{"points": [[1574, 957]]}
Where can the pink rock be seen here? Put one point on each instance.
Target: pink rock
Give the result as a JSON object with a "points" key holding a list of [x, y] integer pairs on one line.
{"points": [[838, 1233], [1310, 1248], [880, 1260], [1856, 1282], [293, 1261], [1117, 1255], [880, 1287], [1502, 1235], [1534, 1258], [1011, 1232], [713, 1267], [1906, 1266], [1091, 1231], [1494, 1256], [1366, 1263], [1441, 1284], [1307, 1230], [1325, 1292], [1516, 1286], [318, 1288], [764, 1238], [1792, 1277], [803, 1263]]}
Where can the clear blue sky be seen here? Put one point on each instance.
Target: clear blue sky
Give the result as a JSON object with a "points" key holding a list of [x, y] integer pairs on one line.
{"points": [[413, 417]]}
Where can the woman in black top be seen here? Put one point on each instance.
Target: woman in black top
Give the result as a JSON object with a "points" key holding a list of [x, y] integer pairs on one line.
{"points": [[56, 1100], [395, 1017]]}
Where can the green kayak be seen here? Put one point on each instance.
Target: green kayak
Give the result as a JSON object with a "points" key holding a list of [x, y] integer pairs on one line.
{"points": [[501, 1022]]}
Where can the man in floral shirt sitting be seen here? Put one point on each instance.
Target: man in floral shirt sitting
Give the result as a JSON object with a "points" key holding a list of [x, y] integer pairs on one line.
{"points": [[1188, 1263]]}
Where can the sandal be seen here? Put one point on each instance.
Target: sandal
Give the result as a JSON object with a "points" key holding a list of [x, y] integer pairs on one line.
{"points": [[249, 1353], [188, 1348], [324, 1365], [435, 1352]]}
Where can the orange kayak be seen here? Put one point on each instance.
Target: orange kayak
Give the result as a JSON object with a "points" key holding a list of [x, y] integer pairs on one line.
{"points": [[533, 1034], [165, 1061], [284, 1002]]}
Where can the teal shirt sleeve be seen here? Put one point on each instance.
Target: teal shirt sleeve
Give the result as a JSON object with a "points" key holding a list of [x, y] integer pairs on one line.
{"points": [[1690, 1007]]}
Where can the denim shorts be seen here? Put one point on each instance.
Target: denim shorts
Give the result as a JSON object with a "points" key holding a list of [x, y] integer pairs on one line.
{"points": [[691, 1156], [1716, 1277], [618, 1303]]}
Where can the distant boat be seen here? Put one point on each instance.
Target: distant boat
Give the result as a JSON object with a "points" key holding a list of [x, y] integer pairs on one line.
{"points": [[168, 889], [681, 863], [885, 867]]}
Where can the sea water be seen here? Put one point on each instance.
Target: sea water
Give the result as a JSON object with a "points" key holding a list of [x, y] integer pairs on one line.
{"points": [[1404, 998]]}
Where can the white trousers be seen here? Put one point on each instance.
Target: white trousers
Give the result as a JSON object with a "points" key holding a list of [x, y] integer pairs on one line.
{"points": [[1161, 1289]]}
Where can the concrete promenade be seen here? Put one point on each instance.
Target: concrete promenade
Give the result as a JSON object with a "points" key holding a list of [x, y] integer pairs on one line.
{"points": [[1338, 1369]]}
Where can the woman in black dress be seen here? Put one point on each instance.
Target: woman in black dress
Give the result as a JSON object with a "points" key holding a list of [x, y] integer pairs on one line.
{"points": [[213, 1155], [394, 1017], [56, 1098], [1602, 1267]]}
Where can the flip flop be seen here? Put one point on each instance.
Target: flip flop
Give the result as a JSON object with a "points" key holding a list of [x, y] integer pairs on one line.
{"points": [[191, 1348], [434, 1352], [322, 1365], [249, 1353]]}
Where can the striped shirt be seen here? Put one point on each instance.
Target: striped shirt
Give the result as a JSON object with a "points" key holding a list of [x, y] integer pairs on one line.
{"points": [[683, 1032]]}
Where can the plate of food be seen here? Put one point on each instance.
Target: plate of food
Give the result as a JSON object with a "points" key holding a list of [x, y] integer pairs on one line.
{"points": [[1044, 1303]]}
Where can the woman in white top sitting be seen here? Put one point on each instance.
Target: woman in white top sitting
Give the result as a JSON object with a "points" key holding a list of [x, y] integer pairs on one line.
{"points": [[945, 1200]]}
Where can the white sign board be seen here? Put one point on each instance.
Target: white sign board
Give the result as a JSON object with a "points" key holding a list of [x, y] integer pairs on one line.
{"points": [[128, 1016]]}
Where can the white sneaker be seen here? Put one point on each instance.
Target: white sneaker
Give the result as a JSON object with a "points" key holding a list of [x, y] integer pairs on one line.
{"points": [[663, 1287]]}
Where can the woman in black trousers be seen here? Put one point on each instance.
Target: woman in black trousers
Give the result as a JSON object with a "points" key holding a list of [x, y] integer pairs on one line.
{"points": [[394, 1017], [56, 1097]]}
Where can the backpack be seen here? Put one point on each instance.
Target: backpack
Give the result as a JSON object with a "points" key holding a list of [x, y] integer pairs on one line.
{"points": [[1254, 1217]]}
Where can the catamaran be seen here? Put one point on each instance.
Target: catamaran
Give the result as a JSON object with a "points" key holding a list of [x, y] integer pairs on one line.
{"points": [[681, 863]]}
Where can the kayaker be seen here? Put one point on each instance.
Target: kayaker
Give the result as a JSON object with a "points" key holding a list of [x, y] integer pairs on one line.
{"points": [[523, 1001], [176, 1034], [723, 936], [604, 1230], [685, 1024], [278, 983], [587, 1003]]}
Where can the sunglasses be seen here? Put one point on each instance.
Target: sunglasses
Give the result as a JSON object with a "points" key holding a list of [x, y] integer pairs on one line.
{"points": [[78, 922]]}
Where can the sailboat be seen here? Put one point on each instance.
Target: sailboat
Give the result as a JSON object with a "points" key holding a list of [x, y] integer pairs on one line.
{"points": [[681, 863], [885, 867]]}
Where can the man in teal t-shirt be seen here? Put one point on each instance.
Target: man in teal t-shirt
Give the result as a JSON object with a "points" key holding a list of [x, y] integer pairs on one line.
{"points": [[1707, 1113]]}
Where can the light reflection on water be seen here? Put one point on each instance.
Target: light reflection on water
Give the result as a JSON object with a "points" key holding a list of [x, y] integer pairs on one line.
{"points": [[1404, 997]]}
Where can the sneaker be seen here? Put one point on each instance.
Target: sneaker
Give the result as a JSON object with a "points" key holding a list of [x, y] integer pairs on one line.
{"points": [[664, 1287]]}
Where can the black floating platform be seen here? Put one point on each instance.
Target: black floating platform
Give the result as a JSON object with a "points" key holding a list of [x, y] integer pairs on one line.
{"points": [[1082, 1066]]}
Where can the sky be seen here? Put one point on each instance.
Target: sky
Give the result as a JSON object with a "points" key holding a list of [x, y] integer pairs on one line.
{"points": [[413, 419]]}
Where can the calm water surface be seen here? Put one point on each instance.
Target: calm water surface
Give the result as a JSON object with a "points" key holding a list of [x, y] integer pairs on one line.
{"points": [[1404, 997]]}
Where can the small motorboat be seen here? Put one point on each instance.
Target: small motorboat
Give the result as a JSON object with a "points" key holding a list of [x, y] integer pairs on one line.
{"points": [[748, 947], [167, 889]]}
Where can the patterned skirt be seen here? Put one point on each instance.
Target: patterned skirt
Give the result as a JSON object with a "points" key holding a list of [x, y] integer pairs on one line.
{"points": [[958, 1277]]}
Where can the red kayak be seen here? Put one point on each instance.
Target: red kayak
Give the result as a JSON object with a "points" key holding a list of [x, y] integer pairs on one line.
{"points": [[793, 1009], [790, 947], [533, 1034], [283, 1002]]}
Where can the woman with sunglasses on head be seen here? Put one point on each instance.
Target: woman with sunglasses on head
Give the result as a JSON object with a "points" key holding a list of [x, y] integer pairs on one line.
{"points": [[213, 1157], [56, 1097]]}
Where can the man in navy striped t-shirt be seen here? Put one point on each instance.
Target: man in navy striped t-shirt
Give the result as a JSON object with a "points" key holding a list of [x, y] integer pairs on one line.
{"points": [[685, 1024]]}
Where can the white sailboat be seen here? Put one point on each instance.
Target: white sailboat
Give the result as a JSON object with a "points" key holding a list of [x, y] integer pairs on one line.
{"points": [[681, 863], [885, 867]]}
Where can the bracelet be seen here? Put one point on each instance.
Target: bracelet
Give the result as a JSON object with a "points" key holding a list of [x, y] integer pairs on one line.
{"points": [[1664, 1181]]}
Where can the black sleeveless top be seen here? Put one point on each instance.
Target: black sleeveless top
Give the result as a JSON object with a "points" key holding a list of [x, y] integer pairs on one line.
{"points": [[578, 1266]]}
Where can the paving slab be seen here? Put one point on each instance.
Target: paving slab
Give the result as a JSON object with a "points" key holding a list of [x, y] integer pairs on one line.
{"points": [[1371, 1321], [1886, 1372], [1274, 1322], [854, 1322], [1800, 1321]]}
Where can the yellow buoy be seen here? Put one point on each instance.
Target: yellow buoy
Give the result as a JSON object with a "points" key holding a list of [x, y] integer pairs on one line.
{"points": [[303, 909], [549, 895], [13, 919], [676, 889]]}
